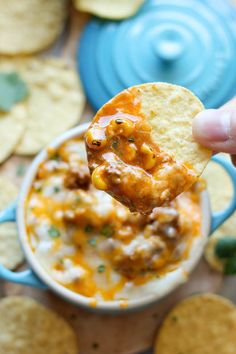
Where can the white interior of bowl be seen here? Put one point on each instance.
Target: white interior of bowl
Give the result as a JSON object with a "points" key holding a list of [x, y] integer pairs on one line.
{"points": [[158, 287]]}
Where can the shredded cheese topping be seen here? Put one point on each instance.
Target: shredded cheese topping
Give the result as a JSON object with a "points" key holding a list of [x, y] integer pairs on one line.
{"points": [[92, 244]]}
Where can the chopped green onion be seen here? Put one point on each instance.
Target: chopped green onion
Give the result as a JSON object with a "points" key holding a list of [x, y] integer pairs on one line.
{"points": [[115, 144], [101, 268], [53, 232], [92, 242], [88, 228], [38, 189], [55, 157], [57, 189], [107, 230]]}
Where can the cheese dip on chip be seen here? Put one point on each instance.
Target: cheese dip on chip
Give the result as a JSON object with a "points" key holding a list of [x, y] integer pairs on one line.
{"points": [[93, 245], [140, 146]]}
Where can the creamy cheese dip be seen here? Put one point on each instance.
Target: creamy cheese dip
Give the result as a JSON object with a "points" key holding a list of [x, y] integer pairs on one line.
{"points": [[92, 244]]}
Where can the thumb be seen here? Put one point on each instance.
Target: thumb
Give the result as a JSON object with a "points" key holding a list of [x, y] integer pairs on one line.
{"points": [[216, 129]]}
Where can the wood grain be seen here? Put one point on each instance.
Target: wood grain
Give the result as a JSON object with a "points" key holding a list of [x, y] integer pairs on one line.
{"points": [[127, 333]]}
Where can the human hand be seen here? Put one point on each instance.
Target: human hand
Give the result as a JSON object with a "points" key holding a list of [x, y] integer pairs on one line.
{"points": [[216, 129]]}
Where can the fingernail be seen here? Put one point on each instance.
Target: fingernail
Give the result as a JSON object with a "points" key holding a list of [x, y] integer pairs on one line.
{"points": [[212, 125]]}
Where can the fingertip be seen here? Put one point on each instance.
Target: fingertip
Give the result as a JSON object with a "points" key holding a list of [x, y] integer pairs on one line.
{"points": [[211, 126]]}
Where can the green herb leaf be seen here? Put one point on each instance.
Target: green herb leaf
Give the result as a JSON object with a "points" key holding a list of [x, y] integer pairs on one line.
{"points": [[12, 90], [53, 232], [88, 228], [107, 230], [55, 157], [101, 268], [230, 266], [20, 169], [56, 189], [92, 242], [115, 144], [38, 189], [226, 247]]}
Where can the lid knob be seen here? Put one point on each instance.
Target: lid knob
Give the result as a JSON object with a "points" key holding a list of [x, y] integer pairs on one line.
{"points": [[169, 46]]}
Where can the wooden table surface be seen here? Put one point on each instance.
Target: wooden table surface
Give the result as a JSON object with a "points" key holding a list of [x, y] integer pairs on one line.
{"points": [[127, 333]]}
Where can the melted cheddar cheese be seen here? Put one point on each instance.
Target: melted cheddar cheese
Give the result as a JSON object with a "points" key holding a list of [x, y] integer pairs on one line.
{"points": [[93, 245]]}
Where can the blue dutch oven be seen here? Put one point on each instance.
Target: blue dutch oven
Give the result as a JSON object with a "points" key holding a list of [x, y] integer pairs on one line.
{"points": [[191, 43]]}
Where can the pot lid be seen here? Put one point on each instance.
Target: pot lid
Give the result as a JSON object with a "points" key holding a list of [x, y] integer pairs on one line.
{"points": [[186, 42]]}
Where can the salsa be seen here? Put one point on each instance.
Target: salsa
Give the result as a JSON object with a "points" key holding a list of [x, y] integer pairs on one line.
{"points": [[125, 161]]}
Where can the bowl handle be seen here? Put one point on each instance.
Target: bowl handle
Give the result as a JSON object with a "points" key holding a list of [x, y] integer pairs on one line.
{"points": [[26, 277], [219, 217]]}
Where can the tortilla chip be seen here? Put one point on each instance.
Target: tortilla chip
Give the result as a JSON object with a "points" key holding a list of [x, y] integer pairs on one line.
{"points": [[200, 324], [170, 110], [11, 254], [55, 102], [27, 327], [162, 140], [8, 193], [216, 177], [111, 9], [12, 126], [28, 26]]}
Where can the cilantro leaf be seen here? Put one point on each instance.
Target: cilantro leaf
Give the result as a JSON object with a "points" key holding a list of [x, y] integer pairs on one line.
{"points": [[230, 266], [12, 90], [226, 247]]}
